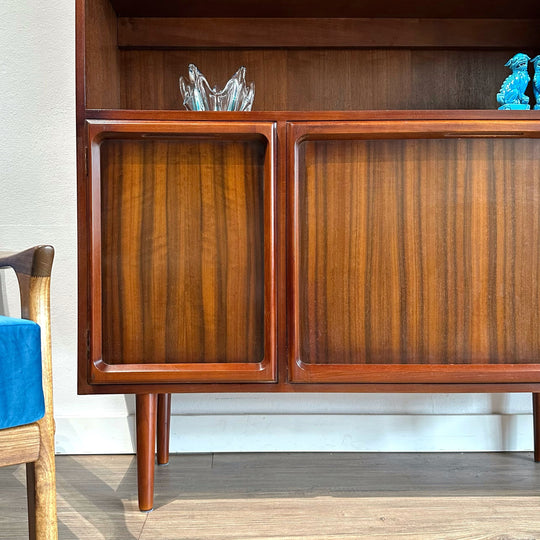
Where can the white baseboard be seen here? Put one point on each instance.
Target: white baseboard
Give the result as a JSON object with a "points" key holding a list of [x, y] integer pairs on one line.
{"points": [[306, 433]]}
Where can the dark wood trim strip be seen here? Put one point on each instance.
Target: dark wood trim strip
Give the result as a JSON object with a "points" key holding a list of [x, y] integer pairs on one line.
{"points": [[190, 33], [162, 373], [414, 128], [316, 387], [80, 68], [420, 374], [127, 115]]}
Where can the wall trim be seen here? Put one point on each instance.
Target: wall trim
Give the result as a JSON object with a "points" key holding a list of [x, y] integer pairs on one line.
{"points": [[305, 433]]}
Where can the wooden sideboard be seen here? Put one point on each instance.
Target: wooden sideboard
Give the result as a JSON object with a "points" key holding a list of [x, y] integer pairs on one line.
{"points": [[371, 226]]}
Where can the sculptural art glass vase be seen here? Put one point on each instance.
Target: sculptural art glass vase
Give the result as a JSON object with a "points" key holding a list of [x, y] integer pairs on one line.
{"points": [[236, 95]]}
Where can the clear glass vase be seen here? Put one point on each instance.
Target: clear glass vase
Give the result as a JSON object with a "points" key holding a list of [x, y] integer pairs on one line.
{"points": [[197, 94]]}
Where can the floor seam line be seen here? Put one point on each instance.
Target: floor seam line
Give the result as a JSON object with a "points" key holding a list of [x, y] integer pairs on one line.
{"points": [[144, 525]]}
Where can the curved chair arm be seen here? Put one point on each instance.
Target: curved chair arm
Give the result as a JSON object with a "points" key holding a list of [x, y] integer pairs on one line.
{"points": [[33, 268], [36, 261]]}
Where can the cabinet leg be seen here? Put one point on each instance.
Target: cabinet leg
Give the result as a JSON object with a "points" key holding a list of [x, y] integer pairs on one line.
{"points": [[536, 425], [163, 428], [146, 447]]}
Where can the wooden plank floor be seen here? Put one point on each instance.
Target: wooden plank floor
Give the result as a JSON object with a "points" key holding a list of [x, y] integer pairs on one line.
{"points": [[292, 496]]}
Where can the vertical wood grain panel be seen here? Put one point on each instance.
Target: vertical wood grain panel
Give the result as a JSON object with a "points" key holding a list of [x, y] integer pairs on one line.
{"points": [[183, 253], [318, 79], [150, 79], [419, 251], [102, 59]]}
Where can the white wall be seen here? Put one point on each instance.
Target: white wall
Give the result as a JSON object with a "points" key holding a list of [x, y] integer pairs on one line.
{"points": [[38, 205]]}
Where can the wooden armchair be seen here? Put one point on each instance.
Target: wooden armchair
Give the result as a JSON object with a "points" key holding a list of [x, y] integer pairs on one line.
{"points": [[25, 437]]}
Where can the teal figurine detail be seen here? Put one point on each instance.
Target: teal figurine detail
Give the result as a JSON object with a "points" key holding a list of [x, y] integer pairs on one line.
{"points": [[536, 80], [512, 93]]}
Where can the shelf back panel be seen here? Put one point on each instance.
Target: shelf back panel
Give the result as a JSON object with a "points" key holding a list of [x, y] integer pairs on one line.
{"points": [[316, 79]]}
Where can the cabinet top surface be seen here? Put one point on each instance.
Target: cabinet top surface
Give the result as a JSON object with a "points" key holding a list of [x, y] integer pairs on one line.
{"points": [[310, 116], [317, 8]]}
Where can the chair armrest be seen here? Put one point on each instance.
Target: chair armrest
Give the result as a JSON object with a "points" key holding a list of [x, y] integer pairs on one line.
{"points": [[33, 269], [35, 262]]}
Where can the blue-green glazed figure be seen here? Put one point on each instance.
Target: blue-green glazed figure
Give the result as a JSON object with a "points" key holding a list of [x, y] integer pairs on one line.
{"points": [[536, 81], [512, 93]]}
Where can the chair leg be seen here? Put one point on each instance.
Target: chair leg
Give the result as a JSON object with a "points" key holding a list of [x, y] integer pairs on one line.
{"points": [[31, 499], [146, 445], [41, 487], [536, 425], [163, 428]]}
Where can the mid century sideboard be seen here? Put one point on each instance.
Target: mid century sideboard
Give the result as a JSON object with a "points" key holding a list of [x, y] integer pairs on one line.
{"points": [[372, 226]]}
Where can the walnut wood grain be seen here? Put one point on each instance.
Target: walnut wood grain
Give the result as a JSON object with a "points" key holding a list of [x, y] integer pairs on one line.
{"points": [[182, 237], [182, 256], [101, 56], [324, 79], [431, 258], [246, 32], [504, 377], [235, 242]]}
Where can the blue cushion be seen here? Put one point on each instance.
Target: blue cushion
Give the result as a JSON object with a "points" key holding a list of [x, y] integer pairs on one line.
{"points": [[21, 391]]}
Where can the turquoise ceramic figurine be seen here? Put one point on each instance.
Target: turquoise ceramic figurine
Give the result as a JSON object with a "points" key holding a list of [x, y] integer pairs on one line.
{"points": [[536, 80], [512, 93]]}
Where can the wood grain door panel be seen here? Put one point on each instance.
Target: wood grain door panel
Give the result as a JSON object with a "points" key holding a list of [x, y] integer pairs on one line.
{"points": [[415, 257], [183, 252]]}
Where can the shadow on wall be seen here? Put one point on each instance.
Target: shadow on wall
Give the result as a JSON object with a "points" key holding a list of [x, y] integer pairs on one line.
{"points": [[508, 423]]}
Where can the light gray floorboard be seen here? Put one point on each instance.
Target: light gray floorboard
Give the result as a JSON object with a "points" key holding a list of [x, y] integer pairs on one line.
{"points": [[292, 496]]}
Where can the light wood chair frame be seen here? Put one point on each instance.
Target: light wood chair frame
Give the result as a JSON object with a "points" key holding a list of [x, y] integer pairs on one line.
{"points": [[33, 444]]}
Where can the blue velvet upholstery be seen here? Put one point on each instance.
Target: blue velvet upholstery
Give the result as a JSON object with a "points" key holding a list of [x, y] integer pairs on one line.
{"points": [[21, 391]]}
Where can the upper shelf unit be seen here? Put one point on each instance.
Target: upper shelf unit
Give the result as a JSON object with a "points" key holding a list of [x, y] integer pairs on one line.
{"points": [[303, 56]]}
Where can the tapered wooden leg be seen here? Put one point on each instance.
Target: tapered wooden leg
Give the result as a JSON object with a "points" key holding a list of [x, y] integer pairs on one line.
{"points": [[536, 425], [163, 428], [146, 447]]}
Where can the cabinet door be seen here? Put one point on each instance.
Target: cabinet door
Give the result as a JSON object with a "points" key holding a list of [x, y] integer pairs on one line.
{"points": [[181, 274], [414, 252]]}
